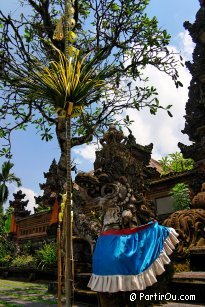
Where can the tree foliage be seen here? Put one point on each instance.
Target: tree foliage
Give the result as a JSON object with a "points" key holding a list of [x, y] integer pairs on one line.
{"points": [[181, 196], [6, 177], [175, 163], [127, 39]]}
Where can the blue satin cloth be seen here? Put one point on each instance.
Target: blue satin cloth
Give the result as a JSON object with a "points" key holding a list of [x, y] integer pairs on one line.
{"points": [[130, 253]]}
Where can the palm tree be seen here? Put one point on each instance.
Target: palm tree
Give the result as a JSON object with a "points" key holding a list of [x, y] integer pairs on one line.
{"points": [[6, 177]]}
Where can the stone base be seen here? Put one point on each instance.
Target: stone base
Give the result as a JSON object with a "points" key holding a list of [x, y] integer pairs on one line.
{"points": [[189, 283], [197, 258]]}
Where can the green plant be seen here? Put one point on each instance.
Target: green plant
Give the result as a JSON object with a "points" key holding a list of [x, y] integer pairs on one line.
{"points": [[24, 261], [47, 255], [181, 196], [6, 250], [5, 260], [175, 163], [3, 253], [26, 248], [64, 80]]}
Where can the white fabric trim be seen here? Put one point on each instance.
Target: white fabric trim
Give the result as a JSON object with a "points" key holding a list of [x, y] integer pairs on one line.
{"points": [[116, 283]]}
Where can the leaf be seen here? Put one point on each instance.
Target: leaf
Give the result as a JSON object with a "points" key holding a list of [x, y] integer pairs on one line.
{"points": [[115, 7], [180, 84], [152, 111]]}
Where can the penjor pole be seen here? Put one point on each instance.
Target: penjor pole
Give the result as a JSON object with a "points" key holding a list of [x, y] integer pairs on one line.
{"points": [[68, 230]]}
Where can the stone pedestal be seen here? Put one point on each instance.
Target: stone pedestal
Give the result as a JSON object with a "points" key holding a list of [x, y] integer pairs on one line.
{"points": [[197, 257]]}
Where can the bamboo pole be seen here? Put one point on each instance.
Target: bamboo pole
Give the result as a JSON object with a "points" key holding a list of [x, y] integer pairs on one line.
{"points": [[68, 258], [59, 265], [68, 189], [72, 260], [68, 231]]}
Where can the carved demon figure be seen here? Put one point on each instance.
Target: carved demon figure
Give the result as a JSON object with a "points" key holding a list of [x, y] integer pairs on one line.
{"points": [[112, 196], [110, 205]]}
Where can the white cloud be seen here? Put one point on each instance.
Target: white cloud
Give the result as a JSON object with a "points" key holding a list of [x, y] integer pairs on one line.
{"points": [[185, 44], [160, 129], [86, 152]]}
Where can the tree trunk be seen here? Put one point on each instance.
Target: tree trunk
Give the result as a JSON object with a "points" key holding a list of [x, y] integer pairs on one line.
{"points": [[61, 136]]}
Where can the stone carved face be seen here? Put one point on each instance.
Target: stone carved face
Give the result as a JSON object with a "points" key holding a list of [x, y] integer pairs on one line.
{"points": [[110, 195]]}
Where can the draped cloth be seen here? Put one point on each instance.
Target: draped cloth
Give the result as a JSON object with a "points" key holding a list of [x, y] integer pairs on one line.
{"points": [[130, 259]]}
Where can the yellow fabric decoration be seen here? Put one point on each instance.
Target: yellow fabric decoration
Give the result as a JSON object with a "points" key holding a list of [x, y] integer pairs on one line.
{"points": [[71, 36], [70, 108], [62, 206], [58, 33]]}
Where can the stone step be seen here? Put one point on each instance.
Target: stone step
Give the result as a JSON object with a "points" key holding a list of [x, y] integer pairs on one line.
{"points": [[189, 283], [189, 277], [197, 256], [80, 295], [81, 280], [88, 296], [177, 305]]}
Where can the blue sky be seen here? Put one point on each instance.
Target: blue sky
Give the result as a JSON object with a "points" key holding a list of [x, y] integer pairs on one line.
{"points": [[32, 156]]}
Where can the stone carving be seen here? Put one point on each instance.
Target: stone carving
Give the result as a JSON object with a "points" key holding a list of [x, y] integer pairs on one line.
{"points": [[195, 107], [115, 190], [195, 185], [189, 224], [197, 29], [110, 205], [112, 198], [199, 200]]}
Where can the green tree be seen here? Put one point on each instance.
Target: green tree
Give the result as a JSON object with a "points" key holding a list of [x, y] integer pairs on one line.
{"points": [[175, 163], [6, 176], [119, 33], [181, 196], [7, 218]]}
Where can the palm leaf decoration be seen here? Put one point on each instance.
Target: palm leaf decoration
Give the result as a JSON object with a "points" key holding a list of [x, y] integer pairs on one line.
{"points": [[76, 79]]}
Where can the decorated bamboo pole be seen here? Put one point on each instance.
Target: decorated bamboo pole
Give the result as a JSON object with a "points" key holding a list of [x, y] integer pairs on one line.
{"points": [[59, 265], [68, 258], [69, 38]]}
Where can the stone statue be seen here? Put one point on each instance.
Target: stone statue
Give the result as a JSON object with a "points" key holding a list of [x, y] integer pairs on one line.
{"points": [[199, 200], [189, 224], [110, 205]]}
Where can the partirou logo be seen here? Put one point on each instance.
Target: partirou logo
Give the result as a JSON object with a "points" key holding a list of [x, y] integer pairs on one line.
{"points": [[161, 297]]}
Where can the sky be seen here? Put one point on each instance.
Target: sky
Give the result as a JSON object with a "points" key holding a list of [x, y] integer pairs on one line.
{"points": [[32, 157]]}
